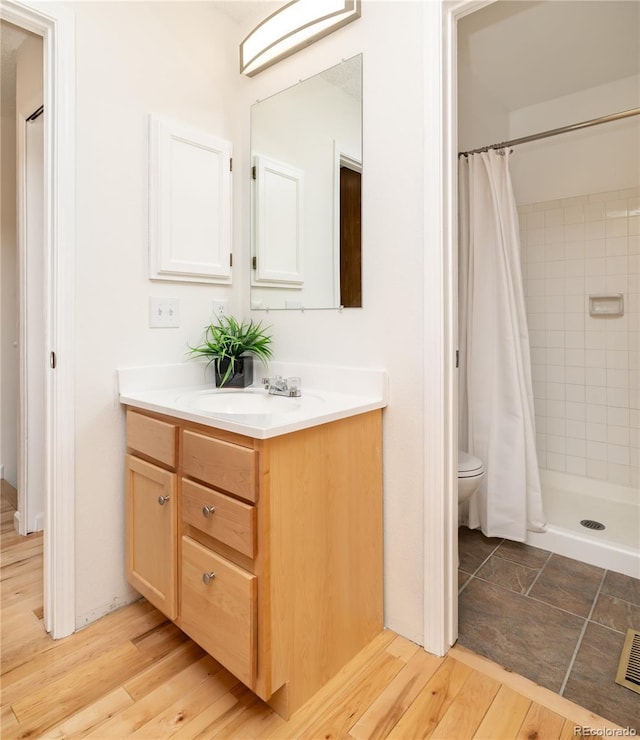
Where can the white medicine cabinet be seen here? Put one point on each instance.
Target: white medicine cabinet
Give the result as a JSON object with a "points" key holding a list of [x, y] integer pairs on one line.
{"points": [[189, 204]]}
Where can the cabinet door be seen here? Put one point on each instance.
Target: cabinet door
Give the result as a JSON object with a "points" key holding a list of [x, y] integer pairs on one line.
{"points": [[152, 533], [219, 609], [190, 204], [279, 209]]}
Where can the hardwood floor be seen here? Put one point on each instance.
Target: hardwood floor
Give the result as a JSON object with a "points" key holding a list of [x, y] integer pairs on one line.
{"points": [[133, 674]]}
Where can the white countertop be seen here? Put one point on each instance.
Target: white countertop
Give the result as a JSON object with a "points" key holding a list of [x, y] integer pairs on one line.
{"points": [[328, 394]]}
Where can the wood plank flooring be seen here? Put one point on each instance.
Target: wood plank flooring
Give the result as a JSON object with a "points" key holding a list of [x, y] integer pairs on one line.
{"points": [[133, 674]]}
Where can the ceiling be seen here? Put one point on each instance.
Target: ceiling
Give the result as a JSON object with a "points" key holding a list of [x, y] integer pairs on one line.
{"points": [[347, 76], [526, 52]]}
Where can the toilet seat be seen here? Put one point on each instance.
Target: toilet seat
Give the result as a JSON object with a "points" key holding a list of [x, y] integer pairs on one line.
{"points": [[469, 466]]}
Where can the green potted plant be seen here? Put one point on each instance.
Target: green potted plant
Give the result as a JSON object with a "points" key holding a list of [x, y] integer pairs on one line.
{"points": [[231, 345]]}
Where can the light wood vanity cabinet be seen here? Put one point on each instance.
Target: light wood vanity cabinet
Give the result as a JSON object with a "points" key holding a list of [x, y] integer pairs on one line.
{"points": [[267, 553]]}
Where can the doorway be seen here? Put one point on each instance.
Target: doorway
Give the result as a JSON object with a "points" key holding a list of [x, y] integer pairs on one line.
{"points": [[574, 194], [56, 29], [23, 338], [350, 236]]}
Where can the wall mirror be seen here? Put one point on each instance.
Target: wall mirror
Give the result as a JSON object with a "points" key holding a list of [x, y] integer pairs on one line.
{"points": [[306, 152]]}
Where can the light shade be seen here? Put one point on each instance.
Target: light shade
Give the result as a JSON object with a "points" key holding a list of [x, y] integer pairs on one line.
{"points": [[291, 28]]}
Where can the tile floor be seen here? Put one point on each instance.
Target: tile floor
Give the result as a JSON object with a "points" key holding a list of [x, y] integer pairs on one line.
{"points": [[557, 621]]}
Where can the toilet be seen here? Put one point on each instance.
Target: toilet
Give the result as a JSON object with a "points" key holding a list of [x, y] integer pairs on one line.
{"points": [[470, 476]]}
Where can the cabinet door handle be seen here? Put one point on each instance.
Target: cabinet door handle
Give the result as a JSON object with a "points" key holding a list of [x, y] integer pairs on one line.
{"points": [[208, 510], [208, 577], [162, 500]]}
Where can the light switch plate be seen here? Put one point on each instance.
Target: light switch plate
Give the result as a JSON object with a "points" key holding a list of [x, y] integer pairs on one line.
{"points": [[164, 313]]}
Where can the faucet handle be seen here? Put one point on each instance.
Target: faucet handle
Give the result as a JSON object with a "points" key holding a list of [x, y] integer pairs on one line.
{"points": [[276, 382], [294, 385]]}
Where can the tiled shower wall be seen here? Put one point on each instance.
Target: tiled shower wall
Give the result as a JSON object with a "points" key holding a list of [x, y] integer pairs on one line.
{"points": [[586, 370]]}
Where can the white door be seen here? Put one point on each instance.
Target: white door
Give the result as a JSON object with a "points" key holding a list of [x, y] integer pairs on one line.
{"points": [[31, 453]]}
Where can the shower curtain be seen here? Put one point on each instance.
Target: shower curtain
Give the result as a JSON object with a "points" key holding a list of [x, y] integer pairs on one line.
{"points": [[496, 396]]}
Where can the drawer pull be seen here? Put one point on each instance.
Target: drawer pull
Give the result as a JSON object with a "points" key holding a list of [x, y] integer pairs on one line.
{"points": [[208, 577], [207, 511], [162, 500]]}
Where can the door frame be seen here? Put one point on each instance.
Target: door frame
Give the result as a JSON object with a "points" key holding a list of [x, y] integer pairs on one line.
{"points": [[440, 432], [56, 24], [441, 323]]}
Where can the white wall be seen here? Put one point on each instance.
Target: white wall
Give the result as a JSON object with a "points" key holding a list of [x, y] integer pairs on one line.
{"points": [[593, 160], [389, 330], [180, 59], [29, 91], [133, 59], [8, 301], [482, 118]]}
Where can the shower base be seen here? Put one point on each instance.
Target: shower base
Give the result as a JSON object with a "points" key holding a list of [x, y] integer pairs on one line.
{"points": [[569, 499]]}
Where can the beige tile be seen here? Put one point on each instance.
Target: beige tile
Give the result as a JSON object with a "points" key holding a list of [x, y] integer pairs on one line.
{"points": [[592, 680], [505, 573], [622, 586], [474, 548], [523, 635], [616, 614], [532, 557], [568, 584]]}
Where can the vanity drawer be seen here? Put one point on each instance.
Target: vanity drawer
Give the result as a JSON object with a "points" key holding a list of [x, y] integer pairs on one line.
{"points": [[219, 615], [225, 465], [152, 437], [222, 517]]}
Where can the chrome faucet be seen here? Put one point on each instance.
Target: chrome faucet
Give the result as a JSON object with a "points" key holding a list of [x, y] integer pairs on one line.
{"points": [[279, 386]]}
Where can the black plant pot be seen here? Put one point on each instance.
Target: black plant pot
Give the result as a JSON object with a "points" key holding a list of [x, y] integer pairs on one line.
{"points": [[241, 375]]}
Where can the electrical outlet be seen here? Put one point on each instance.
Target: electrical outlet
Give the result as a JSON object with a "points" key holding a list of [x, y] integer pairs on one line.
{"points": [[164, 313], [220, 307]]}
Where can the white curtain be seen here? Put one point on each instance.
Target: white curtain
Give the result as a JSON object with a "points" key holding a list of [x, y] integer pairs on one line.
{"points": [[496, 398]]}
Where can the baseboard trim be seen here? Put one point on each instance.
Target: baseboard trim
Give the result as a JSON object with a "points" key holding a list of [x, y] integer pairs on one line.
{"points": [[39, 522]]}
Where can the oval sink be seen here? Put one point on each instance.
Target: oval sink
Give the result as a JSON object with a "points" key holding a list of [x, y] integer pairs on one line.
{"points": [[243, 403]]}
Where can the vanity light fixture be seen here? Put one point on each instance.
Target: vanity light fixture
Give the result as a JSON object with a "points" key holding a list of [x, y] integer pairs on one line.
{"points": [[294, 26]]}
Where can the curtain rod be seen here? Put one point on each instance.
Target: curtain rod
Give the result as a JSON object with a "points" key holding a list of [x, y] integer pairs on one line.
{"points": [[556, 131]]}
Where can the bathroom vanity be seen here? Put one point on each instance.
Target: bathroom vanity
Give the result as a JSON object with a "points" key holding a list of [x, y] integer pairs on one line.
{"points": [[266, 552]]}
